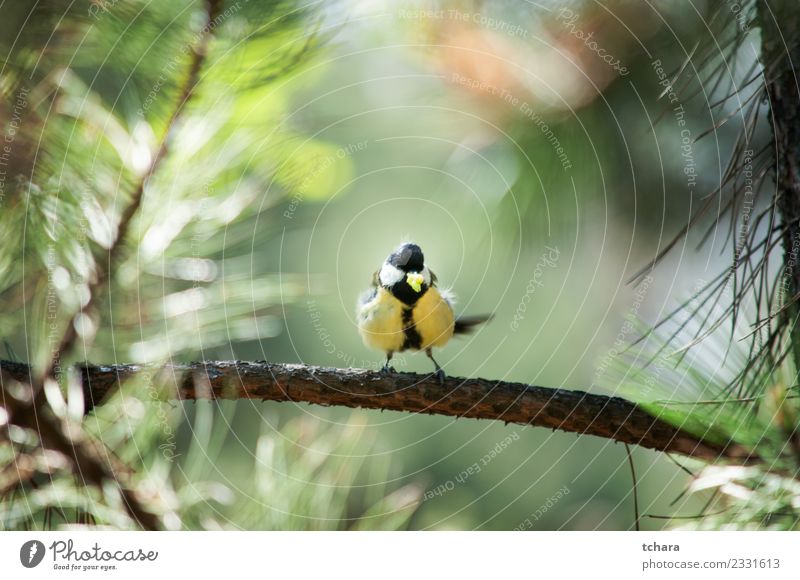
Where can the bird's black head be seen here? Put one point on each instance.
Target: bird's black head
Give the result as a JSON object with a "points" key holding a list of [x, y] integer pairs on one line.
{"points": [[408, 258], [404, 274]]}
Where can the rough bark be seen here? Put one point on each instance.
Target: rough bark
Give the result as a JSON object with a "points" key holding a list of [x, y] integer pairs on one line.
{"points": [[572, 411]]}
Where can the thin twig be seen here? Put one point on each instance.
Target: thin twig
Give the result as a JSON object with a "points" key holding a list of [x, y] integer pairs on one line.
{"points": [[30, 413], [70, 337], [635, 490]]}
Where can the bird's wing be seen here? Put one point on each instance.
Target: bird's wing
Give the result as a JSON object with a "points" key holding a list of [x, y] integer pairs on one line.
{"points": [[366, 297], [369, 294]]}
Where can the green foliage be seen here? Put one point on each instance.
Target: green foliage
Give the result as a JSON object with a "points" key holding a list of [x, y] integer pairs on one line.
{"points": [[699, 388], [301, 476], [747, 498], [90, 89], [719, 365], [88, 131]]}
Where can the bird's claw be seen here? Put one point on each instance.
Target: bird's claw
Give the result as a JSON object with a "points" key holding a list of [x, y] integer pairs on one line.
{"points": [[387, 370], [440, 375]]}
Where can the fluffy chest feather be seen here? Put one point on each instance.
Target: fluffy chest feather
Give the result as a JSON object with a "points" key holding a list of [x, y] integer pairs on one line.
{"points": [[387, 324]]}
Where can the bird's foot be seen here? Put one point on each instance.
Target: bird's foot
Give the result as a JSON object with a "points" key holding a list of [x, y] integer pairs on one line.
{"points": [[439, 372], [387, 369]]}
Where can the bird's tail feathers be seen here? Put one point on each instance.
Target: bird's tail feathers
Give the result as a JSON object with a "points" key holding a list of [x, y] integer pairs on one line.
{"points": [[466, 324]]}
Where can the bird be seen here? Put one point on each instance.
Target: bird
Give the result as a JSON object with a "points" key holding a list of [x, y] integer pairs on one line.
{"points": [[405, 310]]}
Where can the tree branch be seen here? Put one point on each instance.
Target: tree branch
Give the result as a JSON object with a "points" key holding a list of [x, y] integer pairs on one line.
{"points": [[572, 411]]}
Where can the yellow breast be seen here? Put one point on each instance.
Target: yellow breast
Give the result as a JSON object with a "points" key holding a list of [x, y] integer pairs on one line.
{"points": [[433, 319], [381, 324]]}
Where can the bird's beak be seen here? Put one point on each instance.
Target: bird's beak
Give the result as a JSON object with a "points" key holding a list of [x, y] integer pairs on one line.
{"points": [[415, 280]]}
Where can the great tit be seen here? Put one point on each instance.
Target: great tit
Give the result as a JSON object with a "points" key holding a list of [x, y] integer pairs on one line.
{"points": [[404, 310]]}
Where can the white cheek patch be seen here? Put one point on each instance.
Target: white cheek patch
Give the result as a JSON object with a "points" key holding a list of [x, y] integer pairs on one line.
{"points": [[390, 275]]}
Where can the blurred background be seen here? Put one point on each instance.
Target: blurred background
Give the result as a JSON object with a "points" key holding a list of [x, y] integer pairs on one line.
{"points": [[535, 151]]}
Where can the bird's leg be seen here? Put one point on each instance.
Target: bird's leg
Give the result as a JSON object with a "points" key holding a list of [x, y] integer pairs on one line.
{"points": [[439, 370], [386, 368]]}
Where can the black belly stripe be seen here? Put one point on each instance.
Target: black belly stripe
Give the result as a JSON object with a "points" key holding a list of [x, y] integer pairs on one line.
{"points": [[412, 338]]}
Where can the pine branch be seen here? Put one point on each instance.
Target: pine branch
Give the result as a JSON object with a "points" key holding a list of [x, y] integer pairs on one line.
{"points": [[572, 411], [70, 337], [33, 412], [780, 48], [88, 464]]}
